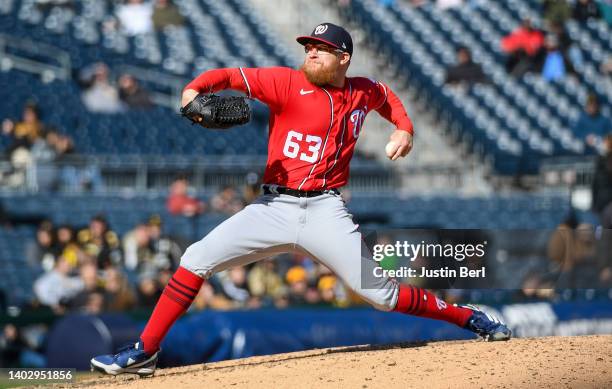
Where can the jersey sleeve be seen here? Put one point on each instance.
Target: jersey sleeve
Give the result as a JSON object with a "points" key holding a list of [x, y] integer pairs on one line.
{"points": [[218, 79], [389, 106], [378, 94], [268, 85]]}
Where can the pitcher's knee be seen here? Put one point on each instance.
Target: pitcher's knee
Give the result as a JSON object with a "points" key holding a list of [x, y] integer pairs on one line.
{"points": [[195, 260]]}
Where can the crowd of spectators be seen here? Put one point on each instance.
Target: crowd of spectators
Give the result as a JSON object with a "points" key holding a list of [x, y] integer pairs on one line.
{"points": [[549, 52], [93, 270], [33, 142], [100, 94]]}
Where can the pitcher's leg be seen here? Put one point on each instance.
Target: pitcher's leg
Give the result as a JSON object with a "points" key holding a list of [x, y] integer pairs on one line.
{"points": [[333, 238], [259, 231]]}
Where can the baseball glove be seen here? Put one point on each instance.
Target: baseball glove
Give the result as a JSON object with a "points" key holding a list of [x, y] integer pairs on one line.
{"points": [[214, 111]]}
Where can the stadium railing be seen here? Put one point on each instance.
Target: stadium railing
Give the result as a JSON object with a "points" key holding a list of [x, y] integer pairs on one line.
{"points": [[154, 173], [34, 57]]}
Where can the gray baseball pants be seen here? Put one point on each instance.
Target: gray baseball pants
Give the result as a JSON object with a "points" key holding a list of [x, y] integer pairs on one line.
{"points": [[320, 227]]}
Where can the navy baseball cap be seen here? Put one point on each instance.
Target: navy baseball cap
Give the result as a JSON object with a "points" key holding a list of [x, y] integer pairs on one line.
{"points": [[330, 34]]}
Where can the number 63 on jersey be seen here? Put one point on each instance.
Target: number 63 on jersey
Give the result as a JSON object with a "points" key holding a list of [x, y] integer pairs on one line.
{"points": [[292, 147]]}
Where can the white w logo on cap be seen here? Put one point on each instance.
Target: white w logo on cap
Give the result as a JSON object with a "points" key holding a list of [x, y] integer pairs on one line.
{"points": [[321, 28]]}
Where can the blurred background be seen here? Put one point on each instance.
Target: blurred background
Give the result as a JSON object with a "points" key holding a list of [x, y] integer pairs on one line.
{"points": [[103, 185]]}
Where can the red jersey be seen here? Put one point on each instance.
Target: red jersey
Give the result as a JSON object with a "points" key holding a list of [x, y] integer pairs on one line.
{"points": [[313, 130]]}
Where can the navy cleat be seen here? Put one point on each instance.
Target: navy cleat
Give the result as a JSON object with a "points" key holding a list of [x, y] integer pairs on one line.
{"points": [[129, 359], [488, 327]]}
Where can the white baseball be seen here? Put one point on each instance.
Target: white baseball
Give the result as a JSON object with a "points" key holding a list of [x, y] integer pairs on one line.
{"points": [[391, 148]]}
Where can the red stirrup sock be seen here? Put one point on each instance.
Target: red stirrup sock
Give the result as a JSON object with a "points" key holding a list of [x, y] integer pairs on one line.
{"points": [[420, 302], [174, 301]]}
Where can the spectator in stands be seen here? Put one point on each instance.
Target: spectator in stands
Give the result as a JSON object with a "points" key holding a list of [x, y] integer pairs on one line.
{"points": [[22, 136], [180, 203], [602, 185], [56, 287], [227, 201], [297, 278], [312, 295], [572, 247], [327, 288], [137, 248], [44, 155], [234, 286], [135, 17], [118, 294], [524, 49], [556, 11], [12, 346], [555, 65], [101, 243], [90, 298], [167, 252], [148, 252], [43, 252], [68, 247], [265, 283], [602, 205], [585, 10], [100, 96], [149, 290], [466, 70], [132, 94], [572, 55], [592, 126], [165, 13]]}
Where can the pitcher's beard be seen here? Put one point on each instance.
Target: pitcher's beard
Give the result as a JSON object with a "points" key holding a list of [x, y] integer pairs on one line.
{"points": [[318, 76]]}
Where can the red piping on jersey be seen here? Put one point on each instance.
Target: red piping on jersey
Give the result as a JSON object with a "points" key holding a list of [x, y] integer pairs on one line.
{"points": [[331, 125]]}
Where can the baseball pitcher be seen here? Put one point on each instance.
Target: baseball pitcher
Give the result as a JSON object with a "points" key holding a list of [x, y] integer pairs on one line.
{"points": [[316, 117]]}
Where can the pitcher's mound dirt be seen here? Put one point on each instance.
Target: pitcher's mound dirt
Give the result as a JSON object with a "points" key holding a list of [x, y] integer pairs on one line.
{"points": [[552, 362]]}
